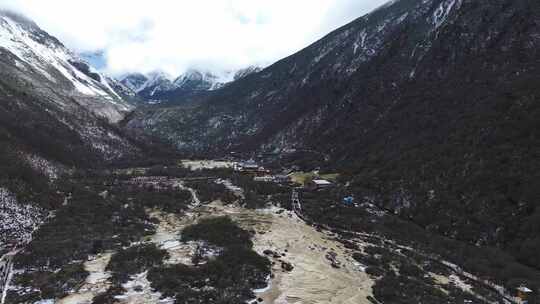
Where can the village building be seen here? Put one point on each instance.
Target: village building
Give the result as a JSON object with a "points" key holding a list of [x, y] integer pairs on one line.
{"points": [[523, 294], [246, 166], [250, 167], [263, 179], [318, 184]]}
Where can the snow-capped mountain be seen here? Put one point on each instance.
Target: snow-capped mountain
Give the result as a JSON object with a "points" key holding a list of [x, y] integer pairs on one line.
{"points": [[246, 72], [149, 86], [54, 104], [43, 58], [134, 81], [155, 83], [199, 81], [159, 86]]}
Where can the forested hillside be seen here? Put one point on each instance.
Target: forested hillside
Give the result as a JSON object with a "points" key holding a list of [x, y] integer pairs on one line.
{"points": [[430, 107]]}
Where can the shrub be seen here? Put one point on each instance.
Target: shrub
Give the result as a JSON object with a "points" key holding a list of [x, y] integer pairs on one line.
{"points": [[219, 231], [134, 260]]}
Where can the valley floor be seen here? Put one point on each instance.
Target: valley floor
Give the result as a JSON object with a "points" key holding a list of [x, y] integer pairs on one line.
{"points": [[313, 279], [309, 262]]}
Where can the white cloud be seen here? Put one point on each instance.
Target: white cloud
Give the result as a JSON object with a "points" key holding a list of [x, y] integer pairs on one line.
{"points": [[172, 35]]}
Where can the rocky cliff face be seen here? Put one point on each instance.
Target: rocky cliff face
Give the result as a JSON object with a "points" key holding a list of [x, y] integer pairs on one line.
{"points": [[430, 105]]}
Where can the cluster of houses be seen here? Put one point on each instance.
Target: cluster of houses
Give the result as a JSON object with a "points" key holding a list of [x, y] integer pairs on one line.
{"points": [[250, 167], [261, 174]]}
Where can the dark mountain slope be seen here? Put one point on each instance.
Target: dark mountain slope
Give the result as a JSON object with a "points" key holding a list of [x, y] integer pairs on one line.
{"points": [[56, 114], [430, 106]]}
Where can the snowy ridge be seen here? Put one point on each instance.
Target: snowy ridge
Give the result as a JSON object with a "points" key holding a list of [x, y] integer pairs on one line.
{"points": [[51, 170], [154, 84], [134, 81], [38, 54], [198, 80], [443, 11]]}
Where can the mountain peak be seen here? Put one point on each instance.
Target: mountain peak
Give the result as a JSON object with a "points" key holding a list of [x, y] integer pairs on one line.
{"points": [[246, 72], [197, 80], [159, 86], [17, 24]]}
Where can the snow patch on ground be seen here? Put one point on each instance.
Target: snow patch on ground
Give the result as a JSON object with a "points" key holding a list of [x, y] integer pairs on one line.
{"points": [[195, 198], [237, 191], [442, 12], [17, 220], [139, 291], [44, 166], [96, 283], [206, 164], [49, 301], [168, 237]]}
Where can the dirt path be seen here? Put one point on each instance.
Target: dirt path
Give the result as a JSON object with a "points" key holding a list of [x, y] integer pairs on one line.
{"points": [[196, 200], [237, 191], [97, 281], [206, 164]]}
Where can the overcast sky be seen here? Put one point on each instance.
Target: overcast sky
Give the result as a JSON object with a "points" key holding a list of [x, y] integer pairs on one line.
{"points": [[173, 35]]}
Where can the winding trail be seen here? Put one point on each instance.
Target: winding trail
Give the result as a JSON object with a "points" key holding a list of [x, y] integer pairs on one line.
{"points": [[195, 198], [167, 237], [237, 191], [96, 282]]}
